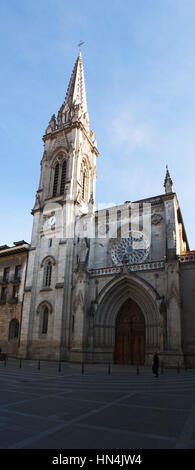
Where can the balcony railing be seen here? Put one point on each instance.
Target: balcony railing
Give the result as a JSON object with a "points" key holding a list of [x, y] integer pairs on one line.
{"points": [[3, 281], [15, 279], [13, 300]]}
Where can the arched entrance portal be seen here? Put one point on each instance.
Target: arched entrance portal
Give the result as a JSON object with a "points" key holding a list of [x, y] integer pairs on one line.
{"points": [[130, 334]]}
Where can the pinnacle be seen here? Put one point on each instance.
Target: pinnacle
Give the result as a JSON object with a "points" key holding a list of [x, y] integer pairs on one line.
{"points": [[168, 183]]}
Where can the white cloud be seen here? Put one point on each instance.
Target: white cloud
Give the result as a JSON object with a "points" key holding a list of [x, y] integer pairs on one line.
{"points": [[126, 129]]}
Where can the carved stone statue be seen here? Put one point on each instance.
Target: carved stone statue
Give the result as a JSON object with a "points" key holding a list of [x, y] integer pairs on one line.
{"points": [[170, 235], [91, 204], [38, 201], [83, 251], [156, 218], [78, 197]]}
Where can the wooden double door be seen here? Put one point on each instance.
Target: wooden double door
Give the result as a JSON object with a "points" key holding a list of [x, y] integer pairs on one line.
{"points": [[130, 334]]}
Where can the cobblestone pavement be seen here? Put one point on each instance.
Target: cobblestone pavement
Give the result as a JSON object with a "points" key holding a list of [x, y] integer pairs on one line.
{"points": [[50, 409]]}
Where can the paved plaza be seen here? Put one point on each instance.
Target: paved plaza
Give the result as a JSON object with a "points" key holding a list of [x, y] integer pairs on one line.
{"points": [[50, 409]]}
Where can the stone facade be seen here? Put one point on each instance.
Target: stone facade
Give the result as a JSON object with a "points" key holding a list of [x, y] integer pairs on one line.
{"points": [[85, 266]]}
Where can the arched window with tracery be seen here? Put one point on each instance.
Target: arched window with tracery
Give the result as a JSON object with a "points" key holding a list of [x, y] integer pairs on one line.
{"points": [[44, 311], [45, 320], [63, 177], [13, 329], [47, 273], [55, 181]]}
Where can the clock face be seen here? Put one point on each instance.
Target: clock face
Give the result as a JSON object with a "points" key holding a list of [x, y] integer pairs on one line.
{"points": [[131, 250]]}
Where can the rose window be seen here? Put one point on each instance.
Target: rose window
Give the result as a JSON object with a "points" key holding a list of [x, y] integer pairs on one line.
{"points": [[131, 250]]}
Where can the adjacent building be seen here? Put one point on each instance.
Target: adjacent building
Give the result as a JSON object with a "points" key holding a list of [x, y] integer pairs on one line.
{"points": [[13, 263]]}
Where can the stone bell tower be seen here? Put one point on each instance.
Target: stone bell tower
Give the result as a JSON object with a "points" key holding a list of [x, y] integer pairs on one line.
{"points": [[66, 191], [68, 167]]}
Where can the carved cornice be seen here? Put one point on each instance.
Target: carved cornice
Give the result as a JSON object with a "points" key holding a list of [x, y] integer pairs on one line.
{"points": [[46, 289], [110, 271], [69, 127], [187, 258]]}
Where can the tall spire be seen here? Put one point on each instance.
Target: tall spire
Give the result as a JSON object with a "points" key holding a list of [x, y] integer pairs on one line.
{"points": [[75, 104], [76, 94], [168, 183]]}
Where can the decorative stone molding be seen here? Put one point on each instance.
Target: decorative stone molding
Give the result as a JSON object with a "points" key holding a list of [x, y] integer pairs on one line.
{"points": [[62, 242], [153, 201], [45, 289], [49, 257], [117, 270], [147, 266], [187, 258], [156, 218], [28, 288], [59, 285], [43, 304], [114, 294]]}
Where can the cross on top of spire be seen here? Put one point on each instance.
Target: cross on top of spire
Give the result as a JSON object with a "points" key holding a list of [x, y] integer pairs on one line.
{"points": [[80, 45]]}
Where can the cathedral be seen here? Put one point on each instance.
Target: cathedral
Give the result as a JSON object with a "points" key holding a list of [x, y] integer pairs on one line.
{"points": [[103, 286]]}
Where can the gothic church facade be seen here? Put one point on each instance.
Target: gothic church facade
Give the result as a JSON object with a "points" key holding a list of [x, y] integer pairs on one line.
{"points": [[96, 290]]}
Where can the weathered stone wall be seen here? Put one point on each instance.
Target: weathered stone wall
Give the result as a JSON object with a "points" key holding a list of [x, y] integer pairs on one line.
{"points": [[101, 247], [187, 283]]}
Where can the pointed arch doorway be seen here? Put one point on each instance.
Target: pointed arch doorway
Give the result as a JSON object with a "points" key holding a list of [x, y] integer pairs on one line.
{"points": [[130, 334]]}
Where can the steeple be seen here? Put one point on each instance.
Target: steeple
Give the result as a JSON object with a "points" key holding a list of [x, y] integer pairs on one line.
{"points": [[76, 94], [74, 107], [70, 150], [168, 183]]}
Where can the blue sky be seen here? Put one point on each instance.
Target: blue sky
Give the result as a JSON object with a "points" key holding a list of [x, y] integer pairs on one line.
{"points": [[139, 62]]}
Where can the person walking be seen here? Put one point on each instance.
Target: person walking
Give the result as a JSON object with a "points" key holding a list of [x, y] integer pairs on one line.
{"points": [[155, 365]]}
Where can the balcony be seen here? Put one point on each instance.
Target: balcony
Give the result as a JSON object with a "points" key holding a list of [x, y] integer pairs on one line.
{"points": [[3, 281], [13, 300]]}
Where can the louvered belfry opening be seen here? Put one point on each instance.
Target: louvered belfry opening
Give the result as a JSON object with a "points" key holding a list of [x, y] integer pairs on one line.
{"points": [[47, 274], [55, 183], [63, 177]]}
